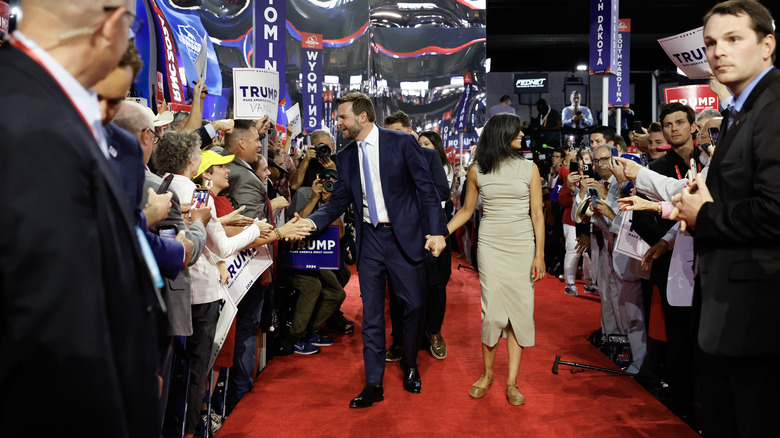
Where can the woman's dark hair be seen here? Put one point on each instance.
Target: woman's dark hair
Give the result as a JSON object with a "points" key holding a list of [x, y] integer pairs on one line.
{"points": [[438, 144], [493, 145], [173, 152]]}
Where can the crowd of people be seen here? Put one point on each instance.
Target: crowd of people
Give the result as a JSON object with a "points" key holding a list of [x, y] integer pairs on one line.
{"points": [[677, 249], [120, 285]]}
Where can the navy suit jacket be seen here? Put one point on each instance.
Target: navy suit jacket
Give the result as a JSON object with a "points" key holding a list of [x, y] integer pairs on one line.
{"points": [[127, 159], [78, 318], [412, 202], [738, 236]]}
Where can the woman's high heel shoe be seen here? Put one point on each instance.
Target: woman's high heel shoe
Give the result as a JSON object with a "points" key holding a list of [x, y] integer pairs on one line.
{"points": [[476, 391]]}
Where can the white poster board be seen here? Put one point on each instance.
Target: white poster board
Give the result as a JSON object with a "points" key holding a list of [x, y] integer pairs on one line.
{"points": [[201, 62], [226, 315], [294, 119], [628, 241], [255, 94], [688, 53], [245, 268]]}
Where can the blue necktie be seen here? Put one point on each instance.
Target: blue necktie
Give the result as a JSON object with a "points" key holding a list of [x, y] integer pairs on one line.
{"points": [[372, 213]]}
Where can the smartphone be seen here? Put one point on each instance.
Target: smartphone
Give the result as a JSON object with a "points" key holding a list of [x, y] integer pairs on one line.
{"points": [[586, 169], [614, 152], [714, 133], [165, 184], [594, 197], [167, 231], [637, 126], [199, 198], [574, 167]]}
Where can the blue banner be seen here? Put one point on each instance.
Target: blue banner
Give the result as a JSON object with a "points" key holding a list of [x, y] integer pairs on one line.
{"points": [[619, 94], [603, 36], [462, 112], [311, 84], [321, 253], [269, 38]]}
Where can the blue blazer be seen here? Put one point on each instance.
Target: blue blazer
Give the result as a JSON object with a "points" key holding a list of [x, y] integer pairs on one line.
{"points": [[127, 159], [412, 201]]}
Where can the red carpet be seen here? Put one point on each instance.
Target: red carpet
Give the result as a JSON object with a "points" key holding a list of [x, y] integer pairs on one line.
{"points": [[308, 396]]}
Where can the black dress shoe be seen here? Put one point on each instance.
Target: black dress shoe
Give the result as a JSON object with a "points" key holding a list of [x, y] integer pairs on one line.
{"points": [[412, 381], [371, 393]]}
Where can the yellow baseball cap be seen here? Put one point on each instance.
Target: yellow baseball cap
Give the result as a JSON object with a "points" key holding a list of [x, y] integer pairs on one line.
{"points": [[211, 158]]}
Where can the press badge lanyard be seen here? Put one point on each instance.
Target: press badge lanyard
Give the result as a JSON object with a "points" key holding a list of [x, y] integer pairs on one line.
{"points": [[29, 51], [144, 244]]}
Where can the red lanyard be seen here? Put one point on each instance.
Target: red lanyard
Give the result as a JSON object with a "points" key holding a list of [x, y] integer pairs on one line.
{"points": [[29, 52]]}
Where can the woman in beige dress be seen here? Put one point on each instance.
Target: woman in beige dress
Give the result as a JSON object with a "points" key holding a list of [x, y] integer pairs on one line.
{"points": [[510, 250]]}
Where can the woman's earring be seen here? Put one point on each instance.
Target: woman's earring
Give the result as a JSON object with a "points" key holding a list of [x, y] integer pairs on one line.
{"points": [[208, 184]]}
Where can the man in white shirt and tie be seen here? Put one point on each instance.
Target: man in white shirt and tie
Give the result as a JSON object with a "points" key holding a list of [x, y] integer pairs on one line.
{"points": [[385, 175], [575, 115]]}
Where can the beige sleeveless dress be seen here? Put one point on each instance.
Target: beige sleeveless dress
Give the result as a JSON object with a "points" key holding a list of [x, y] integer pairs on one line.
{"points": [[506, 251]]}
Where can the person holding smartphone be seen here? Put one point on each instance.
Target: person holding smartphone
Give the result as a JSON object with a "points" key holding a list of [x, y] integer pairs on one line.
{"points": [[575, 244], [178, 152]]}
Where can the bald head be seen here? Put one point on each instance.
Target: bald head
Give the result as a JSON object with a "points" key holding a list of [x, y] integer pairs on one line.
{"points": [[139, 121], [86, 37]]}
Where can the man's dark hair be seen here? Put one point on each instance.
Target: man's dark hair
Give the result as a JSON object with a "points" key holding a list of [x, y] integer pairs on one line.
{"points": [[240, 128], [360, 103], [131, 58], [655, 127], [560, 151], [607, 131], [494, 143], [673, 107], [505, 98], [760, 18], [399, 117]]}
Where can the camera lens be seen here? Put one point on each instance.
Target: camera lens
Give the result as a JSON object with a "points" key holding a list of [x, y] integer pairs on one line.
{"points": [[327, 185], [322, 150]]}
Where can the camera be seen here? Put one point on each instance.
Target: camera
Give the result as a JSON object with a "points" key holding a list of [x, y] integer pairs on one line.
{"points": [[322, 150], [326, 179]]}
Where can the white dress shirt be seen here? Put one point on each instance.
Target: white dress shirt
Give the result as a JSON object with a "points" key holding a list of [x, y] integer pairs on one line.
{"points": [[372, 146]]}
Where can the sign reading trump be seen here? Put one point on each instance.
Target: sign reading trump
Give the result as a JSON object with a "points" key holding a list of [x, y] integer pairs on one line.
{"points": [[255, 94], [320, 253]]}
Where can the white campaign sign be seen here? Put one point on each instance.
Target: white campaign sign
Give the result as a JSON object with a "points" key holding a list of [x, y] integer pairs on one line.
{"points": [[294, 119], [255, 94], [226, 316], [244, 268], [687, 51], [201, 62], [628, 241]]}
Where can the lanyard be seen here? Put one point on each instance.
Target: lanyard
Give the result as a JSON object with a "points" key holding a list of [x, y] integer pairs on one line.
{"points": [[15, 42]]}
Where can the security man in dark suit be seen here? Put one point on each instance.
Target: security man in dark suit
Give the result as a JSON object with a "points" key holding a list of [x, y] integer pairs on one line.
{"points": [[737, 232]]}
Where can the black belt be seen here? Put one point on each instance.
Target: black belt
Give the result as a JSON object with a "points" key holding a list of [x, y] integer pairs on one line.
{"points": [[382, 225]]}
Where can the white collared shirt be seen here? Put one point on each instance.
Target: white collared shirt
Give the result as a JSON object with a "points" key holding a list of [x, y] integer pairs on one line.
{"points": [[372, 146], [85, 101]]}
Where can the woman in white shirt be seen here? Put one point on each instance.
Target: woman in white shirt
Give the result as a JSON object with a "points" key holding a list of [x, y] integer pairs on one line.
{"points": [[178, 152]]}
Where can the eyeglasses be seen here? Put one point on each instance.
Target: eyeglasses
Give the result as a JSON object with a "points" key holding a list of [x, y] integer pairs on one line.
{"points": [[156, 135], [602, 161], [135, 25]]}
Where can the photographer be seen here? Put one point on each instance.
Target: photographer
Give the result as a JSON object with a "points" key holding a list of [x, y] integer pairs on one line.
{"points": [[316, 159], [316, 286]]}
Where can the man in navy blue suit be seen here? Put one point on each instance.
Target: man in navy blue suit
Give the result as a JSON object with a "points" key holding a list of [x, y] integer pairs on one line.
{"points": [[384, 174]]}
